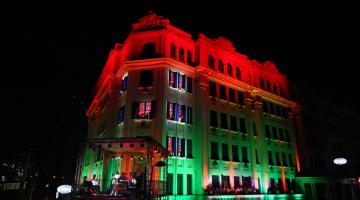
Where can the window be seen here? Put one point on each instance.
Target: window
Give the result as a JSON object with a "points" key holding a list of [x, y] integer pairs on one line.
{"points": [[143, 110], [212, 88], [233, 125], [281, 91], [189, 184], [240, 98], [180, 147], [121, 115], [268, 85], [173, 79], [222, 92], [231, 95], [235, 153], [284, 159], [173, 50], [270, 158], [124, 83], [176, 146], [290, 161], [257, 156], [181, 54], [225, 153], [176, 112], [214, 151], [146, 78], [265, 106], [181, 83], [244, 155], [223, 119], [278, 111], [179, 184], [213, 118], [236, 182], [274, 132], [171, 145], [275, 88], [170, 182], [189, 119], [287, 136], [225, 181], [238, 73], [149, 50], [211, 62], [281, 135], [221, 66], [243, 126], [229, 69], [254, 129], [267, 132], [189, 149], [262, 83], [277, 158], [189, 87], [272, 110], [215, 181], [189, 58], [177, 80]]}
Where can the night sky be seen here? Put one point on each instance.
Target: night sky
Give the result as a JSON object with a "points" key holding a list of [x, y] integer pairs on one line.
{"points": [[53, 54]]}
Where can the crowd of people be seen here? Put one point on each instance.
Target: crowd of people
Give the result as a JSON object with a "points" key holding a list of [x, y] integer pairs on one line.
{"points": [[231, 190]]}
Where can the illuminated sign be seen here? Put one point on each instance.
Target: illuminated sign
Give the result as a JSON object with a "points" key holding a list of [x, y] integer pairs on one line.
{"points": [[340, 161], [64, 189]]}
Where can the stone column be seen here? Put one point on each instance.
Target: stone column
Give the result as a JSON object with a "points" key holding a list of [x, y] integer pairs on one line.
{"points": [[261, 141], [249, 110], [201, 123]]}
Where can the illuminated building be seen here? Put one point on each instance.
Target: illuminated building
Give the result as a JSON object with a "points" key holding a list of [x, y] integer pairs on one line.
{"points": [[225, 120]]}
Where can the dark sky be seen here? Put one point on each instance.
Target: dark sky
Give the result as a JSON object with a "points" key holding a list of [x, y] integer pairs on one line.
{"points": [[54, 52]]}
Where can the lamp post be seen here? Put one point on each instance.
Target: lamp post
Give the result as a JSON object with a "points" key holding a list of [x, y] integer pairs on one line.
{"points": [[158, 164]]}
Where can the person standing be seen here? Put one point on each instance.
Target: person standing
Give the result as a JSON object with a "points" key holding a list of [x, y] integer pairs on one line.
{"points": [[95, 183], [114, 184]]}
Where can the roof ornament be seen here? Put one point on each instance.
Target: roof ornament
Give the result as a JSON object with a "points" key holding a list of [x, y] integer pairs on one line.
{"points": [[150, 21], [224, 43]]}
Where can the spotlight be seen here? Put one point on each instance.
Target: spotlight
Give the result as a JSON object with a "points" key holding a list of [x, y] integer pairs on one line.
{"points": [[141, 157], [131, 157], [155, 150]]}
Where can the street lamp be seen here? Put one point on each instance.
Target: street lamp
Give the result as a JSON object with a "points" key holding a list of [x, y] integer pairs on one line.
{"points": [[158, 164]]}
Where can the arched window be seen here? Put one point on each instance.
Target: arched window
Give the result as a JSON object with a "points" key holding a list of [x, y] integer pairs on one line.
{"points": [[148, 50], [229, 69], [211, 62], [189, 57], [262, 83], [238, 73], [173, 50], [275, 88], [181, 54], [268, 85], [221, 66], [281, 91]]}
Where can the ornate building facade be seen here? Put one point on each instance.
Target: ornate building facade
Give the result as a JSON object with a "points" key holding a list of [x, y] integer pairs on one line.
{"points": [[225, 121]]}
